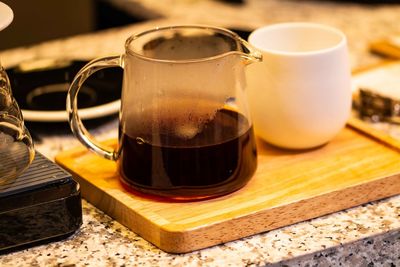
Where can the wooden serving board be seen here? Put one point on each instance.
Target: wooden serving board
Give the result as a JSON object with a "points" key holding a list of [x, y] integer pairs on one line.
{"points": [[288, 187]]}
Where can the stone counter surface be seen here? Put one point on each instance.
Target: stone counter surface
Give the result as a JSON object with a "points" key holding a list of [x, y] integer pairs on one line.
{"points": [[366, 235]]}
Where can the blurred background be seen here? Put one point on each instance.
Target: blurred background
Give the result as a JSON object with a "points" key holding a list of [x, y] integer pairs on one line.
{"points": [[41, 20]]}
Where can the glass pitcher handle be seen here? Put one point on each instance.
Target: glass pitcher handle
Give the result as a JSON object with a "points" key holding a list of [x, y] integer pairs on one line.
{"points": [[75, 121]]}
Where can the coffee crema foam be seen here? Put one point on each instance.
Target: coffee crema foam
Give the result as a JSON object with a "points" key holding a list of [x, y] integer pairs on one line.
{"points": [[181, 118]]}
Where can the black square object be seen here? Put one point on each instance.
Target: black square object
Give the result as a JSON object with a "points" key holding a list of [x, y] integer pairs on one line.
{"points": [[41, 205]]}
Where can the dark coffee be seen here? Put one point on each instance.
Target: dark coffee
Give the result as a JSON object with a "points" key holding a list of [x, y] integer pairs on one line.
{"points": [[219, 159]]}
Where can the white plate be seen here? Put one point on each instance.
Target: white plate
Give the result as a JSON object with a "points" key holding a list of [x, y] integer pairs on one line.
{"points": [[47, 76], [60, 116], [6, 16]]}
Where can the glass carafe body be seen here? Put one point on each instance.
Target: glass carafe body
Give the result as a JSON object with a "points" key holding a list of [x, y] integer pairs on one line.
{"points": [[185, 131], [16, 146]]}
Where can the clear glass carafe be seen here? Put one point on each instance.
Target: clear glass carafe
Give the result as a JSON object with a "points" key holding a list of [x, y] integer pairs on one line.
{"points": [[16, 146], [185, 129]]}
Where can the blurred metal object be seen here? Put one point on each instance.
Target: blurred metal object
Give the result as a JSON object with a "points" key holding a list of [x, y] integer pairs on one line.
{"points": [[377, 108]]}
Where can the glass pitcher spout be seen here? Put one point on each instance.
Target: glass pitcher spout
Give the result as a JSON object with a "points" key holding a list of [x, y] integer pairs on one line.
{"points": [[248, 53], [237, 47]]}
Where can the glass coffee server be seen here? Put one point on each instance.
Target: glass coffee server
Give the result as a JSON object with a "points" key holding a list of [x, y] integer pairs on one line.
{"points": [[16, 146]]}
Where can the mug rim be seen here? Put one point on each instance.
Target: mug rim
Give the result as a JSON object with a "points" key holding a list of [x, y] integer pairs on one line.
{"points": [[222, 30], [299, 25]]}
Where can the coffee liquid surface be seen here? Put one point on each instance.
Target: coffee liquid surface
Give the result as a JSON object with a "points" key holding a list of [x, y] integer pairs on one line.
{"points": [[218, 160]]}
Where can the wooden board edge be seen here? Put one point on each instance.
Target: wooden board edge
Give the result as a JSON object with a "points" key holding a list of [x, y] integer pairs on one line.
{"points": [[174, 238], [376, 134], [383, 63], [385, 47]]}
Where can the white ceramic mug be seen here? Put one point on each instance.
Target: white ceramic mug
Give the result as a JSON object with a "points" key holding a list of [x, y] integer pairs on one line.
{"points": [[300, 95]]}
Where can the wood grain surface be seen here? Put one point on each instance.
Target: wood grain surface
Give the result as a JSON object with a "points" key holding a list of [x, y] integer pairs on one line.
{"points": [[288, 187]]}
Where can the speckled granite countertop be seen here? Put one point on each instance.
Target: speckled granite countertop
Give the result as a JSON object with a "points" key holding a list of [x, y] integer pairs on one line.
{"points": [[366, 235]]}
